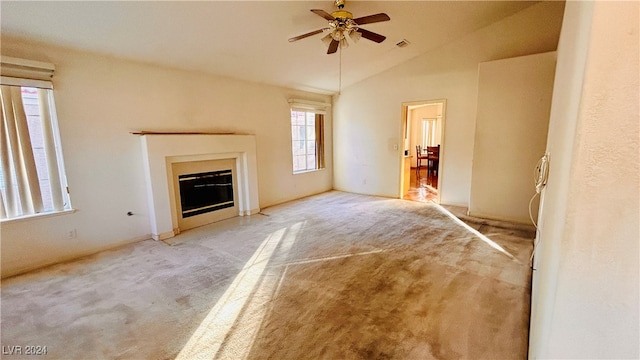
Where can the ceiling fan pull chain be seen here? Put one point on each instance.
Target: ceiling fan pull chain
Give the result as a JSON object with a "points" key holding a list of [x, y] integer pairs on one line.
{"points": [[340, 73]]}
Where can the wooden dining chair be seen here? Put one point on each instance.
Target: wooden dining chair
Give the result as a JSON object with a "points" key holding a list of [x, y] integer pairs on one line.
{"points": [[419, 157], [433, 160]]}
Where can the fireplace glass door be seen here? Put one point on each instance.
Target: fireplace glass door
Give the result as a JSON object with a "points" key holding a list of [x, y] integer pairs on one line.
{"points": [[205, 192]]}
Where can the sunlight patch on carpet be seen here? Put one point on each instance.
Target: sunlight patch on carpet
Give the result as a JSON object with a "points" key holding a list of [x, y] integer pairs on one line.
{"points": [[475, 232], [328, 258], [247, 288]]}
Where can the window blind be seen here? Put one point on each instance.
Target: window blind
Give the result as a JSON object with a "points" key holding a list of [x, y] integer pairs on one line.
{"points": [[28, 73], [307, 105]]}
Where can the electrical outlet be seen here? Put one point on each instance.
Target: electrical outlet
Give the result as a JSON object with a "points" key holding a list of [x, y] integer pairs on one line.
{"points": [[72, 234]]}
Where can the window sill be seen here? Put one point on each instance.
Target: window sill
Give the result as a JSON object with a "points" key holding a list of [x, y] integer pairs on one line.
{"points": [[37, 216], [306, 171]]}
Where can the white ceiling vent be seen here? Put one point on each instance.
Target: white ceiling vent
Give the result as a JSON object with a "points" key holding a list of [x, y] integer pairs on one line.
{"points": [[403, 43]]}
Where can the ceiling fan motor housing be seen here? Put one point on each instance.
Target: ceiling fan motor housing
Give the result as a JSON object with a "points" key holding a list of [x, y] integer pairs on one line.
{"points": [[342, 14], [342, 27]]}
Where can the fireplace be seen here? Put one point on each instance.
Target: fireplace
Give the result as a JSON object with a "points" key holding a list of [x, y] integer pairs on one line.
{"points": [[205, 192], [206, 164]]}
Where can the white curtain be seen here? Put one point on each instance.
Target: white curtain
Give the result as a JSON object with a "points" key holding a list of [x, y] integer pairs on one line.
{"points": [[10, 201], [51, 155], [22, 188], [22, 164], [428, 132]]}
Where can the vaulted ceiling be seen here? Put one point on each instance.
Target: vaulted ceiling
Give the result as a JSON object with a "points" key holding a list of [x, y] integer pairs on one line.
{"points": [[248, 39]]}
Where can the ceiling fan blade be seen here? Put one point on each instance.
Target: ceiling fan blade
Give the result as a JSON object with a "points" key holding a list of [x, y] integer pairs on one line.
{"points": [[372, 19], [323, 13], [371, 35], [305, 35], [333, 47]]}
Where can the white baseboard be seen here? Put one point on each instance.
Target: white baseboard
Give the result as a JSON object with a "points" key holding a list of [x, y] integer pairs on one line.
{"points": [[164, 235], [250, 212]]}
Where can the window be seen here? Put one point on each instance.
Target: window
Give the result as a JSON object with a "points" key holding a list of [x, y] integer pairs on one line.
{"points": [[32, 179], [307, 140], [428, 132]]}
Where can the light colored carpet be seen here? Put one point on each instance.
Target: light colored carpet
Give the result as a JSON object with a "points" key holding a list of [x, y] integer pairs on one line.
{"points": [[333, 276]]}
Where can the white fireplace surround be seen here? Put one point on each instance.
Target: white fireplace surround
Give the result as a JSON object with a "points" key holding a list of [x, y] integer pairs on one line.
{"points": [[159, 151]]}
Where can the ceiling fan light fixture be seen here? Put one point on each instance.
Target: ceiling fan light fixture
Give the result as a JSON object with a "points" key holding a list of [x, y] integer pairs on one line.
{"points": [[355, 36], [344, 43], [327, 39]]}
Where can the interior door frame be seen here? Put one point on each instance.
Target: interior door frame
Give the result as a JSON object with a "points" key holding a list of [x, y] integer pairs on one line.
{"points": [[403, 123]]}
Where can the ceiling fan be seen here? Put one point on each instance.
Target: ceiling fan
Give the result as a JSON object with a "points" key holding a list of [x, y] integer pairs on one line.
{"points": [[343, 25]]}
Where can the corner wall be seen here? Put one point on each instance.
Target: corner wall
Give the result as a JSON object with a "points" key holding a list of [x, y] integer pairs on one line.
{"points": [[514, 101], [585, 298], [99, 100]]}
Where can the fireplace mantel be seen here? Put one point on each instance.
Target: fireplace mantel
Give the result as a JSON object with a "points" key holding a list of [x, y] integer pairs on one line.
{"points": [[161, 150]]}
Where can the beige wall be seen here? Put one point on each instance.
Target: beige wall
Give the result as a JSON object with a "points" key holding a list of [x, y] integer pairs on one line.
{"points": [[368, 115], [99, 101], [514, 100], [585, 298]]}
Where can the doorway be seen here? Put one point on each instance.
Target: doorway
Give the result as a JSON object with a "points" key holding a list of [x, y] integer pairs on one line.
{"points": [[423, 135]]}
